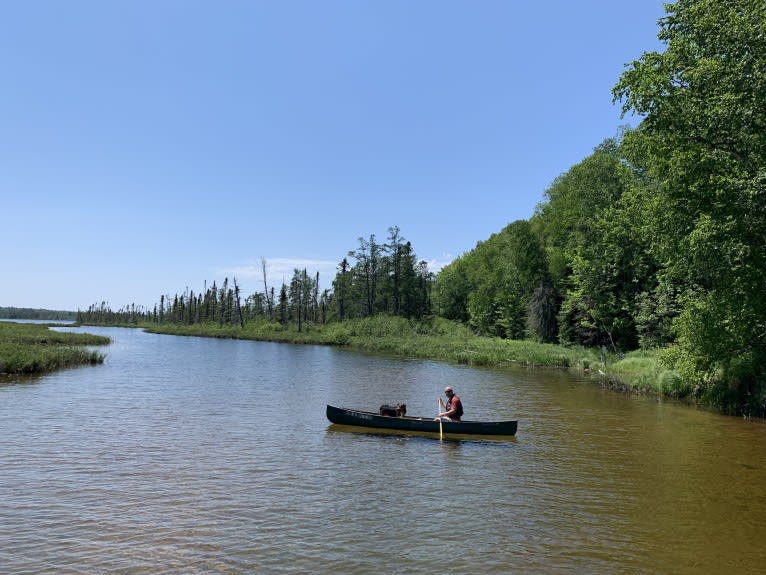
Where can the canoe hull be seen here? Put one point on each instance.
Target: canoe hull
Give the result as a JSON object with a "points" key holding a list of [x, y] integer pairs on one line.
{"points": [[344, 416]]}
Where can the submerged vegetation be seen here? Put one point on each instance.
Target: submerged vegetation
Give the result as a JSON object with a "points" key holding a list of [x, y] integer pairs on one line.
{"points": [[646, 260], [34, 348]]}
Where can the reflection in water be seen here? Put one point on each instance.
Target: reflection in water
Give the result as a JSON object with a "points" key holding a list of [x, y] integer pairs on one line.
{"points": [[188, 455], [448, 441]]}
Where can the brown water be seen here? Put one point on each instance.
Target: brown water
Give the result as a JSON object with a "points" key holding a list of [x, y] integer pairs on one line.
{"points": [[188, 455]]}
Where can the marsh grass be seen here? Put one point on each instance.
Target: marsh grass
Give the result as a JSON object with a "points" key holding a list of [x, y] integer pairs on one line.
{"points": [[642, 371], [432, 339], [34, 348]]}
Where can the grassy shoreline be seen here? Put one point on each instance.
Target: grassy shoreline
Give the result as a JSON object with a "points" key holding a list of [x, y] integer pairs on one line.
{"points": [[27, 349], [442, 340], [34, 349]]}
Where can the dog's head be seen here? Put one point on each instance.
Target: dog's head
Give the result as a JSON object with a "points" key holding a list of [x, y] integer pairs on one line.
{"points": [[401, 409]]}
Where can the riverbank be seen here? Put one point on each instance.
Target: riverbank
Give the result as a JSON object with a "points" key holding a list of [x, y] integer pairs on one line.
{"points": [[443, 340], [27, 348]]}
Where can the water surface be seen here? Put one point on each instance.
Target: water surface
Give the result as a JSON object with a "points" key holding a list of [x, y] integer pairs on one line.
{"points": [[193, 455]]}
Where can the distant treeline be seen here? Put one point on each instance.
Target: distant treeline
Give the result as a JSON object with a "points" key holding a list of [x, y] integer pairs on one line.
{"points": [[656, 240], [29, 313], [383, 278]]}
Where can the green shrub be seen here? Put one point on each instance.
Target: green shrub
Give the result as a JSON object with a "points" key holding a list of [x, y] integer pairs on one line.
{"points": [[671, 383]]}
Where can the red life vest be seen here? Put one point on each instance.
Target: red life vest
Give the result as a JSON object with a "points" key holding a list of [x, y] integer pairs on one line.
{"points": [[458, 407]]}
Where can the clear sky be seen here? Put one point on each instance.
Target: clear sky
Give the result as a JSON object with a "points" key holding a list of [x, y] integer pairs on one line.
{"points": [[150, 146]]}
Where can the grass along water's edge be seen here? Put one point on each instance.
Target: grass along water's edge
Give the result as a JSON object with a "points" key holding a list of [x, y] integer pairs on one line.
{"points": [[34, 348], [443, 340]]}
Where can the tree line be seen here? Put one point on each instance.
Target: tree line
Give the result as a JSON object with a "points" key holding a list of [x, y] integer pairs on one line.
{"points": [[657, 239], [376, 277], [35, 313]]}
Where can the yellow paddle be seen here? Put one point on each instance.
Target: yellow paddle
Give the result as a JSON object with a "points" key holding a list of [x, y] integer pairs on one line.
{"points": [[438, 410]]}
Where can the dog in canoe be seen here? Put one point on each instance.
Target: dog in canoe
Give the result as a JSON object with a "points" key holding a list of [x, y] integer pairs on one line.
{"points": [[398, 410]]}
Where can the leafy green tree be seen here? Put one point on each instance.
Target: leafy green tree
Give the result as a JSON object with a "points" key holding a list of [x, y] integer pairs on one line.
{"points": [[543, 309], [703, 139], [596, 263], [565, 220], [452, 289], [492, 286], [598, 308]]}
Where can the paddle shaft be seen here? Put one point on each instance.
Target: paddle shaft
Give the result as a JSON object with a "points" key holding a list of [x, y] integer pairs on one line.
{"points": [[438, 411]]}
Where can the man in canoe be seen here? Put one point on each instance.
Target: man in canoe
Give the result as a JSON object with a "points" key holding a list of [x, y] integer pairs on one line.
{"points": [[454, 407]]}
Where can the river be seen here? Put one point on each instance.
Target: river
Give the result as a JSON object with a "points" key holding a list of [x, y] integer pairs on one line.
{"points": [[194, 455]]}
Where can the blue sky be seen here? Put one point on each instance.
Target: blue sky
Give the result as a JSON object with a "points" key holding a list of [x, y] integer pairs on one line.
{"points": [[150, 146]]}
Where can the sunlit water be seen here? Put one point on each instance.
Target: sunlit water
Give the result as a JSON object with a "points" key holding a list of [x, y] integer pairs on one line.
{"points": [[191, 455]]}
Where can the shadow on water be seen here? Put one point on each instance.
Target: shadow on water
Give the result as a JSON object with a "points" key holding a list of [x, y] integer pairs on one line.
{"points": [[9, 379], [423, 437]]}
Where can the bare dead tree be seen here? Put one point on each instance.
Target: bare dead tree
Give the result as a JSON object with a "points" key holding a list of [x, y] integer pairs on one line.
{"points": [[269, 300]]}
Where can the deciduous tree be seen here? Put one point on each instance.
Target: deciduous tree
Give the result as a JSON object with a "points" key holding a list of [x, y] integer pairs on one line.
{"points": [[703, 140]]}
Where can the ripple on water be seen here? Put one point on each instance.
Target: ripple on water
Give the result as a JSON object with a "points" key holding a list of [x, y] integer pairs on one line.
{"points": [[184, 455]]}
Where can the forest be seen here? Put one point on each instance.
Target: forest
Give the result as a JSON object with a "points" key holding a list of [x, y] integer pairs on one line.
{"points": [[33, 313], [655, 241], [376, 278]]}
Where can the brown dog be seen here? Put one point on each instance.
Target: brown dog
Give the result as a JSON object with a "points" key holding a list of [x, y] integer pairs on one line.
{"points": [[398, 410]]}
